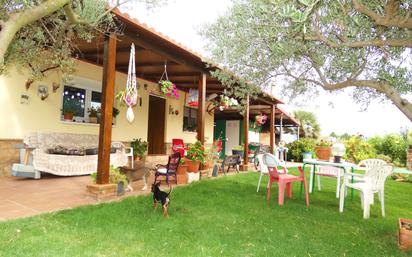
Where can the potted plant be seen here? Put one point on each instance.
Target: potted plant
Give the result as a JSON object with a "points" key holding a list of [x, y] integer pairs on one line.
{"points": [[323, 150], [139, 148], [168, 88], [195, 156], [260, 120], [238, 150], [181, 172], [182, 168], [115, 177], [405, 234], [68, 112], [93, 113]]}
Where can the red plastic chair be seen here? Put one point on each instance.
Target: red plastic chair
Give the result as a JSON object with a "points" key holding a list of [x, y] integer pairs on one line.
{"points": [[284, 179], [178, 146]]}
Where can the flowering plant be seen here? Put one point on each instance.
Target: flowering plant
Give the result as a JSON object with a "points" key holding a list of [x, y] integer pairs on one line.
{"points": [[324, 143], [168, 88], [261, 119], [226, 102], [196, 152]]}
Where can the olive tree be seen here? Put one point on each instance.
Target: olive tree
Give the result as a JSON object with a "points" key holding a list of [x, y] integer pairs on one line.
{"points": [[41, 35], [312, 44]]}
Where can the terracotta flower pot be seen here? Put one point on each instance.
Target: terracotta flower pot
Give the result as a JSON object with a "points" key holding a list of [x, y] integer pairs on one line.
{"points": [[323, 152], [405, 234], [68, 116], [181, 169], [193, 166], [93, 119]]}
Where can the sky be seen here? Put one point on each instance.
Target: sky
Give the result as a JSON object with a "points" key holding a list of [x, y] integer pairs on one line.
{"points": [[337, 112]]}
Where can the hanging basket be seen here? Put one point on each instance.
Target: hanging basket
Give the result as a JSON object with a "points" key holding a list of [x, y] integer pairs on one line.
{"points": [[129, 95]]}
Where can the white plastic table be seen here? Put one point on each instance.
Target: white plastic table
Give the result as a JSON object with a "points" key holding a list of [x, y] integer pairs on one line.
{"points": [[346, 166]]}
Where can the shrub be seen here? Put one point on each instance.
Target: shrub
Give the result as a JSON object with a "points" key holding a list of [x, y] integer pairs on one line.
{"points": [[384, 157], [392, 145], [298, 147], [358, 149]]}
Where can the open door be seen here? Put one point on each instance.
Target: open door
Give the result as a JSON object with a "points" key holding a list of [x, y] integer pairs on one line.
{"points": [[156, 129]]}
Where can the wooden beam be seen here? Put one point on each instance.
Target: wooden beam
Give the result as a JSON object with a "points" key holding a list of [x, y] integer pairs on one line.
{"points": [[168, 52], [96, 52], [201, 111], [272, 128], [148, 64], [105, 131], [246, 135]]}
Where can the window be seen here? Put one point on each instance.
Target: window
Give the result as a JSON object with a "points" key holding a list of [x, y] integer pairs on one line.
{"points": [[190, 119], [79, 99], [74, 100]]}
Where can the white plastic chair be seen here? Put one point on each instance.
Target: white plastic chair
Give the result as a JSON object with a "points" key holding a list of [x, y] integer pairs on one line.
{"points": [[263, 168], [372, 182], [370, 163], [330, 171]]}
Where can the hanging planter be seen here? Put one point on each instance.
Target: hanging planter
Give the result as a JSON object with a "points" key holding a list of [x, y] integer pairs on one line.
{"points": [[226, 102], [130, 94], [166, 86], [260, 120]]}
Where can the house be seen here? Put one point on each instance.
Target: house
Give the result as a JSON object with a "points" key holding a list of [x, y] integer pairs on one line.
{"points": [[158, 118]]}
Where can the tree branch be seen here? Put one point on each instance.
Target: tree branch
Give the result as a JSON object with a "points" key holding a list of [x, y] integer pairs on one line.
{"points": [[72, 16], [390, 19], [18, 20], [360, 44]]}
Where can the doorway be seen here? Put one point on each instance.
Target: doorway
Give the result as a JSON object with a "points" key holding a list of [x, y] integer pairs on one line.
{"points": [[156, 125]]}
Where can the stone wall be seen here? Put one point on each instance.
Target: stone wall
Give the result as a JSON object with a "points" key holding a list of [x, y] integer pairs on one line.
{"points": [[409, 159], [8, 155]]}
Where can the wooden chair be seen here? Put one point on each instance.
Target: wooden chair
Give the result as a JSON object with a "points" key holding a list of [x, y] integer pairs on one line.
{"points": [[169, 169], [231, 161]]}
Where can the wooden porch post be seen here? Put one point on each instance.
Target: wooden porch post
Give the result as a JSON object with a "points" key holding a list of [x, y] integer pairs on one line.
{"points": [[201, 111], [281, 127], [245, 165], [272, 128], [105, 131]]}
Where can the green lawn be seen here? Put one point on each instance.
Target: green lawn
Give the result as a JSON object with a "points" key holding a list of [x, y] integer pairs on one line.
{"points": [[218, 217]]}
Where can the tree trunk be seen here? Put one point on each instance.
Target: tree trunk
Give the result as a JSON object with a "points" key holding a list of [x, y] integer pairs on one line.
{"points": [[16, 21]]}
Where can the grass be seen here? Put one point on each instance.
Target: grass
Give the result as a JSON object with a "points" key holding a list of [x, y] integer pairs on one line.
{"points": [[219, 217]]}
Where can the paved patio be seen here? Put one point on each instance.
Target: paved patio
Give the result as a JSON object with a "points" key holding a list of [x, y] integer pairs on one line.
{"points": [[21, 197], [27, 197]]}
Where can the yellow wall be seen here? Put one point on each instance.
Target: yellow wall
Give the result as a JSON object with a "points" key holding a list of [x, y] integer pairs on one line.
{"points": [[20, 119]]}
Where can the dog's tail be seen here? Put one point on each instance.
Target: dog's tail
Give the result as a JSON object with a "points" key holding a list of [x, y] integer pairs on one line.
{"points": [[170, 191]]}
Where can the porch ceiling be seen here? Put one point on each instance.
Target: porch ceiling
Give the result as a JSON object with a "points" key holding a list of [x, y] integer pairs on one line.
{"points": [[153, 50]]}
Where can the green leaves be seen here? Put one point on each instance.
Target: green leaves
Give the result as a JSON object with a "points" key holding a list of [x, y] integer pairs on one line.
{"points": [[297, 44]]}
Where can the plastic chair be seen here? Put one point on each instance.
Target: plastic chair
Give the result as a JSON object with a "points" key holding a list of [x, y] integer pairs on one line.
{"points": [[263, 169], [178, 146], [169, 169], [283, 179], [372, 182], [370, 163]]}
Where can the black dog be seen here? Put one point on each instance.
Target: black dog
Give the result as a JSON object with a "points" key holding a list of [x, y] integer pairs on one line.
{"points": [[162, 197]]}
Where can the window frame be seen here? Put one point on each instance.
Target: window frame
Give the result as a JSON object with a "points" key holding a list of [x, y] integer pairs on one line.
{"points": [[83, 84], [191, 110]]}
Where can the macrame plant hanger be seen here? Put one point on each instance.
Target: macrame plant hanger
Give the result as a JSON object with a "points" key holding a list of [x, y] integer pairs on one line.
{"points": [[164, 74], [130, 98]]}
